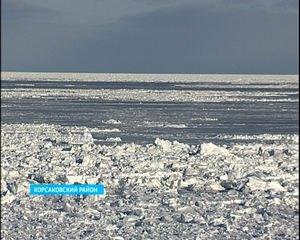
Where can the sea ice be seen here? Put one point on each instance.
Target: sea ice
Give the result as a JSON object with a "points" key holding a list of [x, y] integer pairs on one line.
{"points": [[165, 189]]}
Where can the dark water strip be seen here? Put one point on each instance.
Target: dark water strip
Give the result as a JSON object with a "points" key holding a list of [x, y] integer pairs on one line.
{"points": [[190, 86]]}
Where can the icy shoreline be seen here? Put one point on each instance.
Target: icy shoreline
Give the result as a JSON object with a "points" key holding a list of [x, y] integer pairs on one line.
{"points": [[164, 190]]}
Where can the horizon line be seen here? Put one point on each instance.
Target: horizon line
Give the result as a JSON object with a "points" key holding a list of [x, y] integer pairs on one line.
{"points": [[162, 73]]}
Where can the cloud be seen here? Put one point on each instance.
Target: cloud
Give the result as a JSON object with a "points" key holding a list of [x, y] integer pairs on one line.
{"points": [[17, 10], [195, 38], [288, 4]]}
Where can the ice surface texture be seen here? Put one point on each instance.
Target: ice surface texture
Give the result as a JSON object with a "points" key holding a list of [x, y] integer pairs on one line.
{"points": [[184, 107], [164, 190]]}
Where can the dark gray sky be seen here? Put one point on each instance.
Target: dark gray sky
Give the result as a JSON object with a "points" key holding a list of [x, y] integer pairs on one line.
{"points": [[150, 36]]}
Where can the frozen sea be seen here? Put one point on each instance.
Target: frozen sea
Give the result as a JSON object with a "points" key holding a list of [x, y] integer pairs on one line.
{"points": [[181, 156], [188, 108]]}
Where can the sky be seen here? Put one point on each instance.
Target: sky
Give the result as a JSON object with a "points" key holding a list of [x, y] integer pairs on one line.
{"points": [[150, 36]]}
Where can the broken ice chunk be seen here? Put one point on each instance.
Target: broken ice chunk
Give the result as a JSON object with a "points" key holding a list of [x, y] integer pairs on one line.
{"points": [[212, 149]]}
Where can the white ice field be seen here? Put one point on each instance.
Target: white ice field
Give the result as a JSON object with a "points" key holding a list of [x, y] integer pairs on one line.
{"points": [[181, 156]]}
